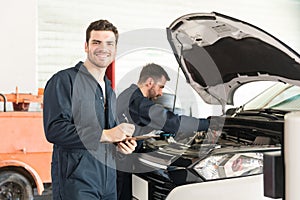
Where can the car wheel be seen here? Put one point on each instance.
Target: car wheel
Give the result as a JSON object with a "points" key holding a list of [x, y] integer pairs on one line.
{"points": [[14, 186]]}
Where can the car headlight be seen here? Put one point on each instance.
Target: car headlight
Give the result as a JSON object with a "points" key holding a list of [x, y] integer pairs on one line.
{"points": [[230, 165]]}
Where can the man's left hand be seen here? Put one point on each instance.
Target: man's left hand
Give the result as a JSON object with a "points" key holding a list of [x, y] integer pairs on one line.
{"points": [[127, 146]]}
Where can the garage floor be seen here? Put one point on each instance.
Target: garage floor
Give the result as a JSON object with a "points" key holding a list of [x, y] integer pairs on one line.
{"points": [[47, 194]]}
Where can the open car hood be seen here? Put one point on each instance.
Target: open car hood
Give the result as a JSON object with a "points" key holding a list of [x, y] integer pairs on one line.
{"points": [[217, 54]]}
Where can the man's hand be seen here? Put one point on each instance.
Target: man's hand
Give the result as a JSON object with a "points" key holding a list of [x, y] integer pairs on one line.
{"points": [[127, 147], [213, 136], [118, 133]]}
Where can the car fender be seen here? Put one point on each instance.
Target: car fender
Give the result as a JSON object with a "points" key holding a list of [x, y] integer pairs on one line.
{"points": [[37, 179], [246, 188]]}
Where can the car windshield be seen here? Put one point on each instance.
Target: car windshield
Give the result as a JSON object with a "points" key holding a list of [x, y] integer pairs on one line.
{"points": [[280, 96]]}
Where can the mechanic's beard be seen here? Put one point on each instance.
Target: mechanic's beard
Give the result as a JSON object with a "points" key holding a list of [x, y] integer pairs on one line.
{"points": [[152, 95]]}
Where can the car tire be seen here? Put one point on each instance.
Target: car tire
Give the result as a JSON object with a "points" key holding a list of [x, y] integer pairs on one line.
{"points": [[15, 186]]}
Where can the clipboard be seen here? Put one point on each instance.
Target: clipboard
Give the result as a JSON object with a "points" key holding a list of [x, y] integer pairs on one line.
{"points": [[141, 137]]}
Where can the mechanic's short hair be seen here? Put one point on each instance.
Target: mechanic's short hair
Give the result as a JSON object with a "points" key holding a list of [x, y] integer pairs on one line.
{"points": [[154, 71], [101, 25]]}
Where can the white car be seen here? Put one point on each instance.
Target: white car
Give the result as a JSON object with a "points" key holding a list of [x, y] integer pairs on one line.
{"points": [[217, 55]]}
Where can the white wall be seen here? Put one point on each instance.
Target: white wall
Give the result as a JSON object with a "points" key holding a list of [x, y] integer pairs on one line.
{"points": [[18, 46], [29, 58]]}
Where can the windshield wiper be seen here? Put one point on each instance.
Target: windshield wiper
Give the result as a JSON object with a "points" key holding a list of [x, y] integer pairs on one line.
{"points": [[274, 111], [267, 112]]}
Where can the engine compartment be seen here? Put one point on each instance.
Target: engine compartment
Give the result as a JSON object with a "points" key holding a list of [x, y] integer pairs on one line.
{"points": [[237, 134]]}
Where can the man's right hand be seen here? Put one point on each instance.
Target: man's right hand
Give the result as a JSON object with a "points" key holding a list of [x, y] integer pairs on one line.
{"points": [[118, 133]]}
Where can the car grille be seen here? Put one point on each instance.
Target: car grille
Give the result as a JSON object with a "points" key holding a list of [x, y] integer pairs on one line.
{"points": [[158, 188]]}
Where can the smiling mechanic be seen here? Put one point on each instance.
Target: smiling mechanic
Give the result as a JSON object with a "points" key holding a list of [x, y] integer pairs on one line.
{"points": [[79, 110]]}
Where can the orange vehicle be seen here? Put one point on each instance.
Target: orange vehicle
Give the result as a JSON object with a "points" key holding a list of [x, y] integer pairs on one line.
{"points": [[25, 154]]}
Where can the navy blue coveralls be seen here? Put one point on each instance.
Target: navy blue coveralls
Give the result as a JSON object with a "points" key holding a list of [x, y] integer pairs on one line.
{"points": [[74, 116]]}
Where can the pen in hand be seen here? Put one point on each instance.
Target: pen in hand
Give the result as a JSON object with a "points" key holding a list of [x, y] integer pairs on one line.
{"points": [[126, 119]]}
